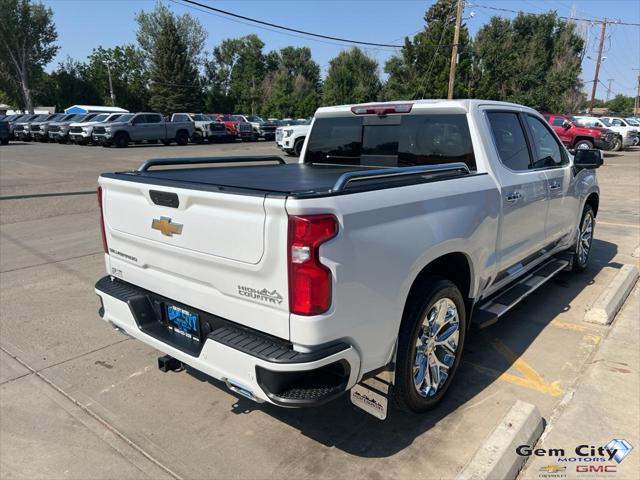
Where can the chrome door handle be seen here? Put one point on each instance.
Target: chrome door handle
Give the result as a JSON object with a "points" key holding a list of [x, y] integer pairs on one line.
{"points": [[512, 197], [554, 186]]}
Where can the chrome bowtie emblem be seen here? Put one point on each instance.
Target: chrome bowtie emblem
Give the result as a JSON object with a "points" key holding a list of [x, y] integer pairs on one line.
{"points": [[166, 227]]}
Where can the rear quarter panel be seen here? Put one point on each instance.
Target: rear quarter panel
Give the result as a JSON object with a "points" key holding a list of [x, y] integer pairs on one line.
{"points": [[386, 237]]}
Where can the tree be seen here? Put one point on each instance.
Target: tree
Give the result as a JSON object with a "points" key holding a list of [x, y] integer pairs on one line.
{"points": [[533, 59], [621, 105], [189, 29], [236, 74], [352, 78], [69, 84], [175, 85], [421, 70], [27, 36], [130, 78], [291, 87]]}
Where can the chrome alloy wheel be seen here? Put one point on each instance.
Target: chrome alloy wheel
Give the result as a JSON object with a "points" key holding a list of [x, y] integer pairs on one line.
{"points": [[436, 347], [584, 241]]}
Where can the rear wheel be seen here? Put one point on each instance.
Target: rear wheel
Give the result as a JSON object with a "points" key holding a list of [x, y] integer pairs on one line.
{"points": [[182, 138], [585, 239], [430, 345]]}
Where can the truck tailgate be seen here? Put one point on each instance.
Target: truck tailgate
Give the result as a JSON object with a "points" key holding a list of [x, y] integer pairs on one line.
{"points": [[207, 252]]}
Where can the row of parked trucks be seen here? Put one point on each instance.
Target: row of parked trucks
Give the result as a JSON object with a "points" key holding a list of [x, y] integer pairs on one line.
{"points": [[121, 129]]}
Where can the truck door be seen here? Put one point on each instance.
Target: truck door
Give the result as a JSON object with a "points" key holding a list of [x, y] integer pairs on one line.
{"points": [[564, 132], [553, 159], [524, 193], [140, 128], [155, 127]]}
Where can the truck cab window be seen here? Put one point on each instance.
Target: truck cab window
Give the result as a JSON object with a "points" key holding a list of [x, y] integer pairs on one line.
{"points": [[548, 153], [510, 140]]}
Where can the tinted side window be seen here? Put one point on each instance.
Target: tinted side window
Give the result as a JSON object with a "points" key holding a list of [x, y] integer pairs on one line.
{"points": [[558, 121], [140, 119], [510, 140], [154, 118], [180, 118], [335, 140], [548, 152]]}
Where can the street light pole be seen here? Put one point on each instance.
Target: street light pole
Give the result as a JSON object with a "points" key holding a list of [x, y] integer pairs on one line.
{"points": [[113, 95]]}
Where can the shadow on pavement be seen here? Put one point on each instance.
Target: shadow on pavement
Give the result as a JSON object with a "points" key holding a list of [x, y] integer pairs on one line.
{"points": [[339, 424]]}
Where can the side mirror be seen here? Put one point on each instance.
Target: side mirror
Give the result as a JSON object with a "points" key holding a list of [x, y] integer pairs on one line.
{"points": [[587, 158], [566, 125]]}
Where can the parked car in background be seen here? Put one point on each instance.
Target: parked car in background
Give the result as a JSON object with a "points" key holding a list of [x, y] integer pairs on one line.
{"points": [[402, 226], [82, 133], [59, 131], [634, 122], [21, 128], [39, 129], [291, 138], [620, 122], [144, 126], [4, 132], [625, 136], [261, 128], [206, 127], [576, 136], [236, 126]]}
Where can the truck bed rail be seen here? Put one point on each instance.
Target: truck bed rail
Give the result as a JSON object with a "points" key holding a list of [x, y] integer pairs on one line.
{"points": [[347, 178], [145, 166]]}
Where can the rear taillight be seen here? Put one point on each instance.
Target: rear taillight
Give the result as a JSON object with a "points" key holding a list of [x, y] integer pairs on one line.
{"points": [[309, 280], [102, 231]]}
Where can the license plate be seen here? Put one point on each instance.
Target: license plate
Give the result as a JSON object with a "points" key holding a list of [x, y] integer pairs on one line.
{"points": [[184, 322]]}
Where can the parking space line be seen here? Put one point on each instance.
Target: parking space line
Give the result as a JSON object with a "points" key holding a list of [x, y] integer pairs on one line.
{"points": [[528, 378]]}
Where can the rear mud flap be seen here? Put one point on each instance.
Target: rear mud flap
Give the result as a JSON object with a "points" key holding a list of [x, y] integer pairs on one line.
{"points": [[372, 394]]}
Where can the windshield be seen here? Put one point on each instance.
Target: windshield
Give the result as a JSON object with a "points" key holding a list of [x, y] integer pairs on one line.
{"points": [[633, 122], [211, 117], [397, 140], [255, 118], [100, 118], [124, 118], [236, 118], [72, 116], [199, 117], [605, 122], [88, 117]]}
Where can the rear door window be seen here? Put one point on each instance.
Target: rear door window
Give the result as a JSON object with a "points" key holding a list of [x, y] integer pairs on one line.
{"points": [[394, 140], [510, 140]]}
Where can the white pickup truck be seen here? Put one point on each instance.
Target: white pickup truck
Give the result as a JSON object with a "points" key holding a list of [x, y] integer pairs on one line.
{"points": [[402, 225]]}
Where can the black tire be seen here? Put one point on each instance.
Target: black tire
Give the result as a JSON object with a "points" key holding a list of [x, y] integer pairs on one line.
{"points": [[617, 146], [583, 145], [297, 147], [197, 138], [182, 138], [166, 142], [580, 260], [405, 393], [121, 140]]}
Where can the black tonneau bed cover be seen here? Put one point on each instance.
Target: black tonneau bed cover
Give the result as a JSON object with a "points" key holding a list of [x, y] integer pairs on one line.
{"points": [[294, 179]]}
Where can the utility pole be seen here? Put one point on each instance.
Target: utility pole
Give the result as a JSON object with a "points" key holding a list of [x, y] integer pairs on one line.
{"points": [[113, 95], [595, 80], [636, 104], [609, 80], [454, 50]]}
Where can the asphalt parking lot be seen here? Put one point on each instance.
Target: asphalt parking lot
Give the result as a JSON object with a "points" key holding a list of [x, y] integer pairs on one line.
{"points": [[79, 400]]}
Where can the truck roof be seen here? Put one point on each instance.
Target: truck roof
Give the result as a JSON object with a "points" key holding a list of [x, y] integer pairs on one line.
{"points": [[460, 106]]}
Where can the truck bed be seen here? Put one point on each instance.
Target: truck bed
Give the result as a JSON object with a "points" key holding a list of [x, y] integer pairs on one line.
{"points": [[287, 179]]}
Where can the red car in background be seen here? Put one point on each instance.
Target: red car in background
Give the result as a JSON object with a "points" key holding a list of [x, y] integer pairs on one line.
{"points": [[578, 137], [236, 126]]}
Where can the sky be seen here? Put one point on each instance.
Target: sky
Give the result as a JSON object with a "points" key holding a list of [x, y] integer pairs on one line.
{"points": [[85, 24]]}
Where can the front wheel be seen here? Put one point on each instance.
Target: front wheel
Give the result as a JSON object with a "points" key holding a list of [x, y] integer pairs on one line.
{"points": [[617, 146], [430, 345], [297, 147], [583, 145], [585, 240], [182, 138]]}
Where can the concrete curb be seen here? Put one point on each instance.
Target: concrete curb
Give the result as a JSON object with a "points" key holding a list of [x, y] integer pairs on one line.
{"points": [[613, 296], [497, 457]]}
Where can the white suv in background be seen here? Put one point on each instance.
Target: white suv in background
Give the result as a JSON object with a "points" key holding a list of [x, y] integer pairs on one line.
{"points": [[291, 138]]}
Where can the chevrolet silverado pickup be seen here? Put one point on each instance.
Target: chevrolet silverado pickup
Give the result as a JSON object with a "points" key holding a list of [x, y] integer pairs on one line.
{"points": [[206, 127], [143, 127], [401, 226]]}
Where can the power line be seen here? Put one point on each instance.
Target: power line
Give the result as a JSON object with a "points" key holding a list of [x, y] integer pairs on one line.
{"points": [[289, 29], [577, 19]]}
